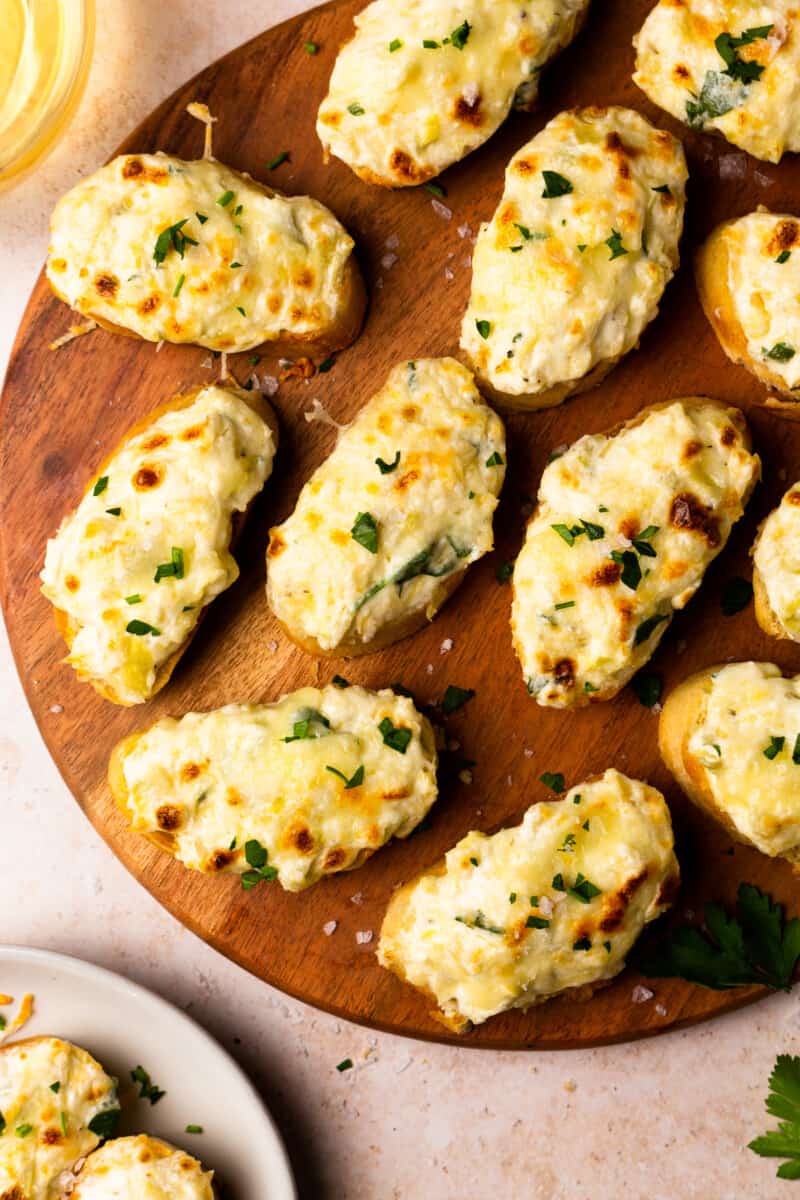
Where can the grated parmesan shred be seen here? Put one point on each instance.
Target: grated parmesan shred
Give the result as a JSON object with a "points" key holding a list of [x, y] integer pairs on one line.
{"points": [[74, 331], [319, 413], [23, 1015], [201, 113]]}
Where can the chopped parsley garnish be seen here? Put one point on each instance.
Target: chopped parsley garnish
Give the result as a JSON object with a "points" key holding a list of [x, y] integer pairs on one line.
{"points": [[780, 352], [395, 44], [302, 729], [553, 780], [796, 751], [784, 256], [104, 1124], [582, 944], [647, 628], [512, 899], [430, 44], [460, 36], [345, 1065], [648, 687], [140, 628], [631, 575], [134, 599], [784, 1102], [55, 1087], [565, 604], [495, 460], [585, 825], [199, 1128], [455, 698], [277, 160], [568, 845], [736, 595], [23, 1130], [581, 247], [555, 185], [738, 68], [340, 681], [395, 736], [173, 569], [570, 532], [663, 188], [484, 328], [558, 884], [504, 572], [537, 923], [224, 200], [583, 889], [719, 95], [615, 245], [774, 748], [147, 1089], [436, 189], [172, 238], [387, 468], [100, 486], [593, 532], [115, 511], [355, 109], [256, 857], [479, 922], [202, 218], [757, 945], [590, 687], [241, 310], [526, 233], [474, 862], [576, 799], [365, 532], [310, 48], [356, 779], [62, 1116], [235, 267], [178, 286], [641, 543], [326, 365]]}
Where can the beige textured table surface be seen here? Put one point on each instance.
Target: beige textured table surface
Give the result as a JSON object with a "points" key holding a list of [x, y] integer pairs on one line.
{"points": [[660, 1119]]}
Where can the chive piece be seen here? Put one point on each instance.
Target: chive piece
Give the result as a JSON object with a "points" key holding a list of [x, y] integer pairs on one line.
{"points": [[355, 109], [590, 687], [202, 218], [592, 531], [495, 460], [340, 681], [436, 189], [234, 266], [774, 748], [194, 1129], [583, 889], [663, 188], [582, 944], [565, 604], [648, 627], [484, 328], [241, 310], [100, 486], [277, 160], [631, 575], [134, 599], [178, 286], [387, 468], [615, 245], [460, 36], [512, 899], [114, 512], [345, 1065], [555, 185], [23, 1130], [553, 780], [780, 352], [537, 923], [55, 1087], [224, 200], [607, 947], [430, 44], [455, 698], [140, 628], [581, 247], [173, 569], [558, 884], [355, 780], [566, 533], [311, 47], [365, 532], [784, 256], [397, 737], [395, 44]]}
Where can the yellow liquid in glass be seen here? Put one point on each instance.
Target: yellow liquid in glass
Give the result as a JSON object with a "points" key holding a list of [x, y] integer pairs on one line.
{"points": [[45, 52]]}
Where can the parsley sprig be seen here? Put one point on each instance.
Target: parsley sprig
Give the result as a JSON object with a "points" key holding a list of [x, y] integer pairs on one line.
{"points": [[256, 856], [756, 946], [172, 238], [147, 1089], [783, 1101]]}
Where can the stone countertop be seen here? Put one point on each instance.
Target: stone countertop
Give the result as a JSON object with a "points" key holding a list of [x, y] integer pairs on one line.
{"points": [[657, 1119]]}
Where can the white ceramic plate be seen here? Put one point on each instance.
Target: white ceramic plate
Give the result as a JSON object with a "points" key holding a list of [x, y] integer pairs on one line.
{"points": [[123, 1025]]}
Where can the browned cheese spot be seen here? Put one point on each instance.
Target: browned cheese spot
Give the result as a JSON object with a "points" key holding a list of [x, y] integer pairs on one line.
{"points": [[403, 165], [606, 575], [302, 368], [149, 304], [147, 478], [51, 1137], [189, 771], [220, 859], [193, 432], [334, 859], [469, 112], [168, 817], [616, 905], [687, 512], [276, 543], [71, 583], [106, 284], [155, 440], [728, 436], [406, 480], [784, 237]]}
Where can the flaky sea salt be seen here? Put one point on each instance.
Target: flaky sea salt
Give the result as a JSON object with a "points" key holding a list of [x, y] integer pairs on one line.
{"points": [[446, 646], [641, 994], [441, 210], [329, 927], [364, 937]]}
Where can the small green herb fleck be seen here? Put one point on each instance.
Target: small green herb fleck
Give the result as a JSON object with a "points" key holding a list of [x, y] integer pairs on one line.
{"points": [[345, 1065], [537, 923], [278, 160], [140, 628], [56, 1087], [256, 857], [558, 884], [311, 47], [115, 511], [615, 245], [387, 468], [356, 779], [647, 628], [394, 45], [365, 532], [784, 256], [512, 899], [553, 780], [224, 200], [555, 185], [326, 365], [173, 569], [178, 286], [395, 736], [565, 604], [583, 889], [104, 1124], [202, 218], [436, 189], [147, 1089], [780, 352], [774, 748], [460, 36], [455, 698], [663, 188], [100, 486], [199, 1128], [23, 1130], [340, 681], [355, 109], [484, 328], [134, 599], [172, 238], [582, 944], [495, 460], [631, 575]]}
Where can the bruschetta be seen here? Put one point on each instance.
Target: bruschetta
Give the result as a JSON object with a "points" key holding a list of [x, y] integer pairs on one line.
{"points": [[317, 782], [385, 528], [776, 569], [748, 278], [573, 264], [731, 737], [192, 251], [729, 66], [625, 526], [424, 82], [132, 568], [144, 1168], [552, 905], [56, 1105]]}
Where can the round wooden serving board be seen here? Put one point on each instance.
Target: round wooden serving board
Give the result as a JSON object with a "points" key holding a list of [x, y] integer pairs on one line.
{"points": [[64, 411]]}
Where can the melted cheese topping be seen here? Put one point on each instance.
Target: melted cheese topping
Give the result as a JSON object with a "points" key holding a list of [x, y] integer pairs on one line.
{"points": [[177, 484], [432, 511], [590, 610], [261, 772], [747, 705], [402, 111], [763, 251], [145, 1168], [263, 264], [34, 1147], [563, 282], [753, 101], [776, 555], [588, 872]]}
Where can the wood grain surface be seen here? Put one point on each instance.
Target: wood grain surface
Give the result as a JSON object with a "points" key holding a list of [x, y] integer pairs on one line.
{"points": [[62, 412]]}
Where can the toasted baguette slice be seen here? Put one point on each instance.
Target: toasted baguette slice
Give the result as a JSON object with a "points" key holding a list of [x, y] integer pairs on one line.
{"points": [[776, 569], [319, 781], [245, 266], [142, 1168], [423, 83], [572, 266], [171, 502], [386, 527], [57, 1104], [748, 280], [729, 736], [626, 524], [684, 65], [550, 906]]}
